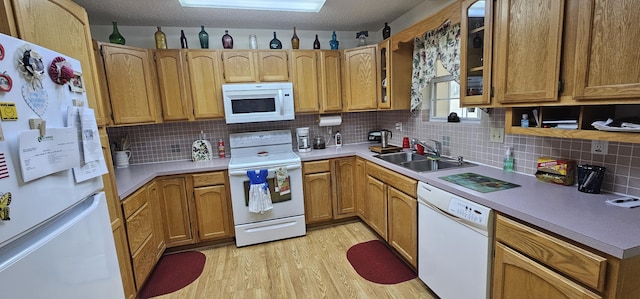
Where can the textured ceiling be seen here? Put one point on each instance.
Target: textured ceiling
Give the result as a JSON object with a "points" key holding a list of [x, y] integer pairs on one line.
{"points": [[340, 15]]}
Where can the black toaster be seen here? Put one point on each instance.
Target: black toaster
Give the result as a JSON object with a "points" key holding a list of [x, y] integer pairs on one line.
{"points": [[375, 136]]}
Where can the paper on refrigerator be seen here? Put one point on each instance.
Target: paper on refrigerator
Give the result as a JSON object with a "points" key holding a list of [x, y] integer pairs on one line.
{"points": [[92, 162], [54, 152]]}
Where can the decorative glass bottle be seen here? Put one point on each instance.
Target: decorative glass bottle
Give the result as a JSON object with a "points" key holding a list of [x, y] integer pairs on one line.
{"points": [[161, 39], [116, 37], [204, 38], [386, 31], [227, 40], [253, 42], [183, 40], [334, 41], [316, 43], [295, 41], [275, 42]]}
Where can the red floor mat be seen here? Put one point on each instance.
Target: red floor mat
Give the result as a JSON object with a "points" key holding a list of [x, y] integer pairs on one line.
{"points": [[375, 262], [173, 272]]}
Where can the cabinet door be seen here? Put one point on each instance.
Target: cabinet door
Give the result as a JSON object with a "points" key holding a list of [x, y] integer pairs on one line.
{"points": [[175, 212], [124, 261], [528, 48], [384, 66], [206, 91], [317, 197], [172, 82], [158, 229], [376, 202], [476, 27], [273, 66], [360, 80], [304, 74], [130, 79], [403, 225], [213, 216], [330, 75], [516, 276], [344, 182], [62, 26], [239, 66], [361, 189], [606, 60]]}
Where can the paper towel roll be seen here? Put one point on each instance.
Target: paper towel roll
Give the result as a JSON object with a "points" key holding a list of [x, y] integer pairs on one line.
{"points": [[330, 120]]}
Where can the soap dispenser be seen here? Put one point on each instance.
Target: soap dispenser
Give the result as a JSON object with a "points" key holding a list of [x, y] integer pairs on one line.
{"points": [[508, 160]]}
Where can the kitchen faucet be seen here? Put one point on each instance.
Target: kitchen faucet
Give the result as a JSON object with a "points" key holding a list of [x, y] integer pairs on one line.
{"points": [[436, 150]]}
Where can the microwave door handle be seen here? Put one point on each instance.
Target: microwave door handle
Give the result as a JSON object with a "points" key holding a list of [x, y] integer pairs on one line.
{"points": [[281, 100], [244, 172]]}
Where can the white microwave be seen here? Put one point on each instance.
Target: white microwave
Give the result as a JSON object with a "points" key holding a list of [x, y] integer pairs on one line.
{"points": [[256, 102]]}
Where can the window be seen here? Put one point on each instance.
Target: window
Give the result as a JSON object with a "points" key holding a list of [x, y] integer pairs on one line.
{"points": [[445, 97]]}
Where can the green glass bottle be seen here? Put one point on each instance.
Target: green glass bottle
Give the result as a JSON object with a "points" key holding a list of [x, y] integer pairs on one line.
{"points": [[275, 42], [204, 38], [116, 37]]}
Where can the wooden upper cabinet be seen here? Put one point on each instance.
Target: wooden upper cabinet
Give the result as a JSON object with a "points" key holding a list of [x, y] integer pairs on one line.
{"points": [[528, 48], [255, 66], [239, 66], [62, 26], [205, 87], [330, 75], [304, 75], [475, 52], [132, 84], [360, 79], [273, 66], [172, 82], [607, 42]]}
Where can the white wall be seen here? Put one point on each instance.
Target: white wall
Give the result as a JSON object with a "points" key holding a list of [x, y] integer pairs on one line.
{"points": [[142, 37], [419, 13]]}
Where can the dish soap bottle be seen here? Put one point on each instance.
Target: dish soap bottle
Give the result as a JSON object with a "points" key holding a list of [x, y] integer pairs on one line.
{"points": [[524, 122], [220, 148], [508, 160], [338, 138]]}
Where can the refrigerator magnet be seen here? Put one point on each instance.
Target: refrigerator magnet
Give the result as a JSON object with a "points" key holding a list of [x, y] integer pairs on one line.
{"points": [[60, 70], [1, 52], [31, 66], [5, 82], [5, 200], [76, 84]]}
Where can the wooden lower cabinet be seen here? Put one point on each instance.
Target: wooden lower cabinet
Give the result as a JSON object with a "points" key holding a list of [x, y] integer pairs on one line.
{"points": [[343, 178], [376, 206], [516, 276], [212, 206], [360, 187], [318, 197], [154, 199], [175, 206], [530, 263], [142, 235], [403, 224]]}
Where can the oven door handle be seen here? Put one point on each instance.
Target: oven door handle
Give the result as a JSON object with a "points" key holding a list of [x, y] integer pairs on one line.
{"points": [[244, 172]]}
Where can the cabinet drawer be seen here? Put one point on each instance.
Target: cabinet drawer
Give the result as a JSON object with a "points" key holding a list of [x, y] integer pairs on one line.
{"points": [[316, 166], [398, 181], [143, 261], [134, 201], [564, 257], [208, 179], [139, 227]]}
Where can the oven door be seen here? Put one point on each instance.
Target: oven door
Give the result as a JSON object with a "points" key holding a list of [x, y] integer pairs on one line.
{"points": [[283, 205]]}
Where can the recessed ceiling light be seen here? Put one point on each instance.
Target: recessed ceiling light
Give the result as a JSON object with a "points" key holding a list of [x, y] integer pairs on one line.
{"points": [[280, 5]]}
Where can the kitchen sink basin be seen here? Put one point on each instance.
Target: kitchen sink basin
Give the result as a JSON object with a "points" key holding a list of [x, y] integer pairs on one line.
{"points": [[421, 163]]}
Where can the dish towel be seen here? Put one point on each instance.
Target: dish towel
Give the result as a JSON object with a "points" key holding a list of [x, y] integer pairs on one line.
{"points": [[259, 194], [282, 181]]}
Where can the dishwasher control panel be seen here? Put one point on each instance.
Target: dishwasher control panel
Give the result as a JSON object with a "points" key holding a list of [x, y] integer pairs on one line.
{"points": [[468, 211]]}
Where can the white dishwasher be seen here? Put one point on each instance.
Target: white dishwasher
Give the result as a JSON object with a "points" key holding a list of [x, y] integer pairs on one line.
{"points": [[455, 238]]}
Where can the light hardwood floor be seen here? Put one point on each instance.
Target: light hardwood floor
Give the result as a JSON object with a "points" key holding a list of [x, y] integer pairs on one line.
{"points": [[314, 266]]}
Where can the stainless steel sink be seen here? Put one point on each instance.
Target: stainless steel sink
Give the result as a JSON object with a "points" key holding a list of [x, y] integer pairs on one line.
{"points": [[421, 163]]}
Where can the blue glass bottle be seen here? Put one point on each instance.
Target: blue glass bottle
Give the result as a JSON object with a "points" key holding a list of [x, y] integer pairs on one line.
{"points": [[333, 43]]}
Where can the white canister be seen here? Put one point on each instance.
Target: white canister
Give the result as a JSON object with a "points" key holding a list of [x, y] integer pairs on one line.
{"points": [[122, 159], [253, 41]]}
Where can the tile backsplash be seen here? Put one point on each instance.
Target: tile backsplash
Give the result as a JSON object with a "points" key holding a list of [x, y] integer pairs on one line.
{"points": [[172, 141]]}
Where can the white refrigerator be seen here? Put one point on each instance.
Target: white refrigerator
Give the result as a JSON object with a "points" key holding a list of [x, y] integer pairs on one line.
{"points": [[55, 232]]}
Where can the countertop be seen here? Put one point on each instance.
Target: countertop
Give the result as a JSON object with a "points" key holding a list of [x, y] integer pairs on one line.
{"points": [[563, 210]]}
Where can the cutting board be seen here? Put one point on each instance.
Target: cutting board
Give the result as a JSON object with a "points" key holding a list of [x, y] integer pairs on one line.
{"points": [[383, 150], [201, 150]]}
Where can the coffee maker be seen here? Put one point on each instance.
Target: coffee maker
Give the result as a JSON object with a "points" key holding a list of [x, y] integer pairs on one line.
{"points": [[303, 140]]}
